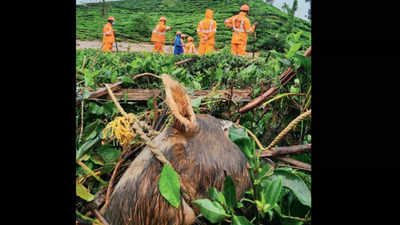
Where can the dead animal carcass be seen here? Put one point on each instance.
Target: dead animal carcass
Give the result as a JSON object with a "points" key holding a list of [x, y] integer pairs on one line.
{"points": [[200, 152]]}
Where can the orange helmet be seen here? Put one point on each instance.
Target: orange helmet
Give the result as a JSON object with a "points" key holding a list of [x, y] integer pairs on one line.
{"points": [[178, 32], [245, 8], [183, 35], [163, 18], [111, 18]]}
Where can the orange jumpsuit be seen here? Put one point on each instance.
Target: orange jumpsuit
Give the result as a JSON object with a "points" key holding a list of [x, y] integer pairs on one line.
{"points": [[108, 37], [241, 27], [206, 29], [158, 37], [190, 48]]}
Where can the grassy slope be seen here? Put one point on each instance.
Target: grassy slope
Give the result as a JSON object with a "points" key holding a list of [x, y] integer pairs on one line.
{"points": [[135, 19]]}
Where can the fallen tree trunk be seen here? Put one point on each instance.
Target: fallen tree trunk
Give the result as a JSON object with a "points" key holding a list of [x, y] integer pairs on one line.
{"points": [[102, 91], [239, 95], [284, 78]]}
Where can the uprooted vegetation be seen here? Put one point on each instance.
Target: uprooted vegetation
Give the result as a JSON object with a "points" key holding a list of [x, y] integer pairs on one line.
{"points": [[281, 181]]}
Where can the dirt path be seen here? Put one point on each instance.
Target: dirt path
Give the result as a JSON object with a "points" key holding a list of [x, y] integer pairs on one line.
{"points": [[123, 46], [131, 47]]}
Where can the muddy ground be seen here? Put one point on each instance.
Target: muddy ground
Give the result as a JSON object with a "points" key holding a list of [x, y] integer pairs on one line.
{"points": [[131, 47]]}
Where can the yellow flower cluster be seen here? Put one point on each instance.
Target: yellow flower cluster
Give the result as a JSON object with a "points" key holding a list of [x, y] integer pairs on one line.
{"points": [[121, 129]]}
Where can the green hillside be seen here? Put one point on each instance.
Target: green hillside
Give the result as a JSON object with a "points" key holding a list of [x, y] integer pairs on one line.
{"points": [[135, 20]]}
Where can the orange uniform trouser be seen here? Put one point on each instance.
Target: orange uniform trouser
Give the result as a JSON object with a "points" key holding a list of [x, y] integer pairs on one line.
{"points": [[238, 49], [107, 46], [158, 47], [205, 48]]}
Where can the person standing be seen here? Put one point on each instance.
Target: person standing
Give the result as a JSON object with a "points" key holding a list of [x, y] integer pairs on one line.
{"points": [[189, 47], [206, 29], [108, 35], [241, 27], [158, 35], [178, 45]]}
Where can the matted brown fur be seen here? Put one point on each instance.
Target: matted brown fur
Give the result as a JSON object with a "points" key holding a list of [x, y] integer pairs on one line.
{"points": [[199, 151], [200, 160]]}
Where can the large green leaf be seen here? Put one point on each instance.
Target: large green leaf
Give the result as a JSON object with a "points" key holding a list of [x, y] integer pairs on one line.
{"points": [[213, 194], [296, 184], [240, 138], [169, 186], [230, 192], [240, 220], [272, 192], [213, 211], [83, 193]]}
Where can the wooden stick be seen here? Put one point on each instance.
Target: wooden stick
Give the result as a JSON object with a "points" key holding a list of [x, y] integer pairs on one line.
{"points": [[294, 162], [80, 135], [285, 77], [294, 149], [116, 101], [184, 61], [100, 217], [145, 74]]}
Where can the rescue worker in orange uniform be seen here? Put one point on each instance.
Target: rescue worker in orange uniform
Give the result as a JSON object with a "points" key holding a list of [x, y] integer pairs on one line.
{"points": [[108, 35], [241, 27], [206, 29], [189, 47], [158, 35]]}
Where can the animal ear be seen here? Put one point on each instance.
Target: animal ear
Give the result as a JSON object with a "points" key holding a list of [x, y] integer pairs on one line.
{"points": [[180, 105]]}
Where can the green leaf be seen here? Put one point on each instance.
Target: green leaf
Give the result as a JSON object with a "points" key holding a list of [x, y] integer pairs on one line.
{"points": [[293, 49], [169, 186], [196, 102], [83, 193], [221, 198], [273, 190], [230, 192], [127, 79], [176, 71], [212, 211], [108, 153], [85, 147], [240, 220], [196, 85], [218, 74], [240, 138], [296, 184], [95, 109], [237, 133], [213, 194], [109, 108], [92, 135]]}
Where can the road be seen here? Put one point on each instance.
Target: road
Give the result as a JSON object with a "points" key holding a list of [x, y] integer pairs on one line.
{"points": [[131, 47]]}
